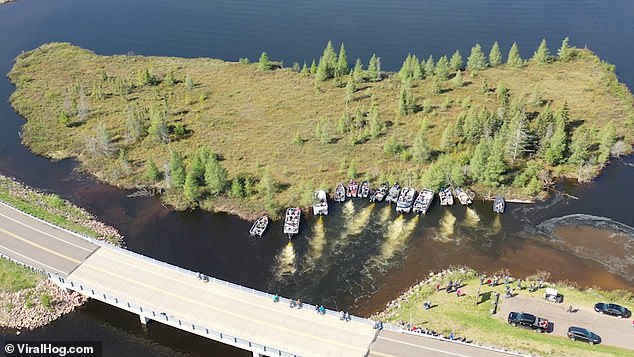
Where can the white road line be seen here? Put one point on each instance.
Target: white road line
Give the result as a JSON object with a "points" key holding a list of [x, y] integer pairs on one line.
{"points": [[31, 259], [48, 234], [423, 347]]}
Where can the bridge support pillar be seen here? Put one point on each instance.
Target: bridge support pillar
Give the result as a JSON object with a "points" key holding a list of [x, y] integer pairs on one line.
{"points": [[144, 320]]}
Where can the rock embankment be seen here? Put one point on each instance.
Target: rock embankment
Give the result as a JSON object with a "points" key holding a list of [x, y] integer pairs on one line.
{"points": [[36, 307], [5, 1]]}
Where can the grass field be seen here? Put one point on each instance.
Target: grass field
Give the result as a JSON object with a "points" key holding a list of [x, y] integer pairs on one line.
{"points": [[14, 277], [462, 316], [257, 121]]}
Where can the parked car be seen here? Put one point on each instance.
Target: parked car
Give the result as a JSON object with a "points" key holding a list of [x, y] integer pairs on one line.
{"points": [[528, 320], [612, 309], [579, 333]]}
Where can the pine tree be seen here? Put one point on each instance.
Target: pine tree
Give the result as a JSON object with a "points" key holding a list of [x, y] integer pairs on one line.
{"points": [[496, 167], [191, 188], [169, 79], [236, 190], [343, 67], [478, 162], [495, 57], [457, 79], [263, 63], [554, 154], [152, 172], [430, 67], [417, 70], [405, 72], [374, 69], [327, 63], [514, 58], [420, 150], [177, 170], [215, 176], [357, 73], [313, 67], [350, 89], [565, 52], [476, 60], [189, 83], [456, 61], [447, 139], [579, 146], [541, 55], [374, 122], [158, 125], [607, 139], [304, 71], [442, 68], [518, 136]]}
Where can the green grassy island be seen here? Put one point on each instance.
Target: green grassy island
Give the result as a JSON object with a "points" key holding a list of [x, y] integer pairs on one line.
{"points": [[246, 137]]}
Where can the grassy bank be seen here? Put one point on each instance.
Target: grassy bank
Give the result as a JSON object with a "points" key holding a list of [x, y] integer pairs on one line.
{"points": [[465, 318], [55, 210], [14, 277], [228, 136]]}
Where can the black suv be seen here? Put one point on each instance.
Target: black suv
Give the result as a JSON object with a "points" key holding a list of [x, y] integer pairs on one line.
{"points": [[612, 309], [581, 334], [528, 320]]}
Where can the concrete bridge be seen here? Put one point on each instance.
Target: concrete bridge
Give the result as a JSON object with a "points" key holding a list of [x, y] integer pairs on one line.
{"points": [[219, 310]]}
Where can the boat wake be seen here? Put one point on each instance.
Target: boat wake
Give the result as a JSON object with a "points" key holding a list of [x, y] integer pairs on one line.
{"points": [[472, 219], [608, 242], [286, 262], [396, 238], [316, 246], [447, 226]]}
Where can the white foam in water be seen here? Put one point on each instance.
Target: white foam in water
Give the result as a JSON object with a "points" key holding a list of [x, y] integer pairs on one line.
{"points": [[286, 264]]}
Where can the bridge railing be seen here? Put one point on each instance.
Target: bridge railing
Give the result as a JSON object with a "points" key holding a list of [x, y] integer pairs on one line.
{"points": [[27, 266], [168, 319]]}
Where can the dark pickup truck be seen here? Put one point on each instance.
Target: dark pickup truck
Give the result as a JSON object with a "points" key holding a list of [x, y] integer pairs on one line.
{"points": [[528, 320]]}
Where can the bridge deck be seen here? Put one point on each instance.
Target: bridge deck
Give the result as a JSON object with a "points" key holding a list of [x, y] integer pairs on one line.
{"points": [[224, 308]]}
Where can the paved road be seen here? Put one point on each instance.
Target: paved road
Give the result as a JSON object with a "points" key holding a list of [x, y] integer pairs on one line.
{"points": [[393, 344], [216, 306], [38, 244], [613, 331]]}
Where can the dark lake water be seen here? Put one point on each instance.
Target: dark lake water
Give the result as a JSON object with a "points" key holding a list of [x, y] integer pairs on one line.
{"points": [[360, 256]]}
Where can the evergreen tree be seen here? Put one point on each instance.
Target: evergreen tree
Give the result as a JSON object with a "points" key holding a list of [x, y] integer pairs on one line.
{"points": [[579, 146], [177, 170], [541, 55], [263, 63], [189, 83], [158, 125], [417, 70], [374, 122], [215, 176], [191, 188], [554, 154], [478, 162], [357, 73], [405, 72], [143, 77], [327, 63], [420, 150], [456, 61], [476, 60], [430, 67], [442, 68], [350, 89], [518, 136], [305, 71], [607, 139], [514, 58], [152, 172], [236, 190], [374, 69], [296, 67], [313, 67], [565, 52], [343, 67], [495, 57], [457, 79], [169, 79], [447, 139], [496, 167]]}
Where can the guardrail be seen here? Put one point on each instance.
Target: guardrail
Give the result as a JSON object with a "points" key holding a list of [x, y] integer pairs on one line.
{"points": [[168, 319], [27, 266]]}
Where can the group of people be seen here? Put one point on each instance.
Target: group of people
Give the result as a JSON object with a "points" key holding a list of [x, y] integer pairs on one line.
{"points": [[203, 277], [453, 286], [344, 316]]}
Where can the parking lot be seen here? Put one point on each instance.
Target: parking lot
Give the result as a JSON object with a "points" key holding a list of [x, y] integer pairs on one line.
{"points": [[613, 331]]}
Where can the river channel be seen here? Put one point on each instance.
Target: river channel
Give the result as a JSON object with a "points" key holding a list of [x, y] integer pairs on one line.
{"points": [[361, 255]]}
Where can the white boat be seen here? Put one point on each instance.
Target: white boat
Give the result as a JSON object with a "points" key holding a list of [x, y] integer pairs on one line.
{"points": [[380, 193], [364, 189], [340, 193], [405, 200], [392, 195], [259, 226], [465, 198], [291, 221], [499, 205], [320, 203], [446, 198], [352, 189], [423, 201]]}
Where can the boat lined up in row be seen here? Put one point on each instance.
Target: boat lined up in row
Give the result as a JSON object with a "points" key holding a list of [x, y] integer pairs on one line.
{"points": [[403, 198]]}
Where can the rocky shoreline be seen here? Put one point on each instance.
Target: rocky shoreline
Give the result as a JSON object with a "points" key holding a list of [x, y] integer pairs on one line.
{"points": [[6, 1], [35, 307]]}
